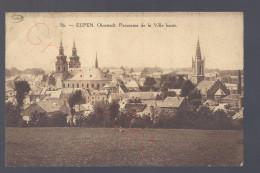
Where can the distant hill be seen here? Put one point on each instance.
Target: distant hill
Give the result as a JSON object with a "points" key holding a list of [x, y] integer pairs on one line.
{"points": [[14, 71]]}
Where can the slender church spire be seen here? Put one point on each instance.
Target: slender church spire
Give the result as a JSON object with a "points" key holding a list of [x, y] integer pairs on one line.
{"points": [[96, 65], [198, 52], [61, 50], [74, 49]]}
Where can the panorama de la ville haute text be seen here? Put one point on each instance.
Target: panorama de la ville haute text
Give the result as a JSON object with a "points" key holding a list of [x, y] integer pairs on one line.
{"points": [[125, 25]]}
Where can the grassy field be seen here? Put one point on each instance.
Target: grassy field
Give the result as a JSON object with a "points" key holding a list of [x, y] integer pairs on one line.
{"points": [[65, 146]]}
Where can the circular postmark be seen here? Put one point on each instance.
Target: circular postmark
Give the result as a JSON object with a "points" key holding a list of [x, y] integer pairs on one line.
{"points": [[17, 18]]}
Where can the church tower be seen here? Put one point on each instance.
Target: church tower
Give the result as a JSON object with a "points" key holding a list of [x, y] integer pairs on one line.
{"points": [[74, 59], [61, 67], [198, 66]]}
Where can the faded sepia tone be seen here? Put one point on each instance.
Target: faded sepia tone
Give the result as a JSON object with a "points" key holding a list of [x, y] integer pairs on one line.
{"points": [[221, 36], [124, 89]]}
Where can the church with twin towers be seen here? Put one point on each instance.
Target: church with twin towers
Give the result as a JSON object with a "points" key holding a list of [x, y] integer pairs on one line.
{"points": [[70, 73]]}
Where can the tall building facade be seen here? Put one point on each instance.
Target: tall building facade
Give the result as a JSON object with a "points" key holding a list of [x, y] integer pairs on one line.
{"points": [[198, 66]]}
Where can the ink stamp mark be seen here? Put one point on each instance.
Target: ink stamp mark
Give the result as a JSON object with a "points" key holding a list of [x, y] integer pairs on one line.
{"points": [[17, 18]]}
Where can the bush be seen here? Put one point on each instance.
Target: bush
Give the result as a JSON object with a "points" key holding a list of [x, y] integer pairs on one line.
{"points": [[39, 119], [206, 119], [169, 122], [57, 120], [22, 123]]}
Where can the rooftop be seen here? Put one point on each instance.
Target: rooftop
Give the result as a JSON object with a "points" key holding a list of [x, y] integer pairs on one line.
{"points": [[81, 74], [173, 102]]}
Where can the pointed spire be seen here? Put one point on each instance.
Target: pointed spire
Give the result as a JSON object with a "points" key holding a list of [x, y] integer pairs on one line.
{"points": [[61, 50], [198, 52], [60, 41], [74, 49], [96, 65]]}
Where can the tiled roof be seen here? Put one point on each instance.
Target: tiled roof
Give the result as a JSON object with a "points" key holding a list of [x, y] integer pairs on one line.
{"points": [[118, 96], [233, 96], [144, 95], [220, 93], [84, 107], [132, 84], [36, 92], [203, 86], [43, 91], [99, 92], [49, 106], [177, 91], [81, 74], [67, 90], [210, 102], [173, 102], [110, 85], [138, 107]]}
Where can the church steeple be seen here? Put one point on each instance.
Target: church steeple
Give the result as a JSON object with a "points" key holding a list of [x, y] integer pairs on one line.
{"points": [[61, 50], [198, 66], [198, 52], [96, 65], [74, 49]]}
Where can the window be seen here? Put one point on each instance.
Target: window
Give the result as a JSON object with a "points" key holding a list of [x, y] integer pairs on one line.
{"points": [[87, 85], [58, 68], [72, 85], [82, 85], [64, 68], [63, 85], [77, 85], [98, 86], [68, 85], [92, 85]]}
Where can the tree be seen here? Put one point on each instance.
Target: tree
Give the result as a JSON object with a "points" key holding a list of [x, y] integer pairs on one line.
{"points": [[187, 87], [12, 115], [149, 82], [194, 98], [132, 70], [52, 80], [75, 98], [114, 110], [158, 97], [180, 81], [22, 88], [169, 94], [44, 78]]}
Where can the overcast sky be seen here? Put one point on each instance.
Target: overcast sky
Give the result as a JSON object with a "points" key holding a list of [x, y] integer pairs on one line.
{"points": [[220, 34]]}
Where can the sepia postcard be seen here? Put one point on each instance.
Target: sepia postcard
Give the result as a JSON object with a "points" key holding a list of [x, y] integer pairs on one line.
{"points": [[95, 89]]}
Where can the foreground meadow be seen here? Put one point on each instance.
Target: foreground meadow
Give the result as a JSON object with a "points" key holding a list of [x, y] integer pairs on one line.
{"points": [[67, 146]]}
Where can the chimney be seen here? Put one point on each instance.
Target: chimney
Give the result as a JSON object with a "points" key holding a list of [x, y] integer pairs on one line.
{"points": [[239, 82]]}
